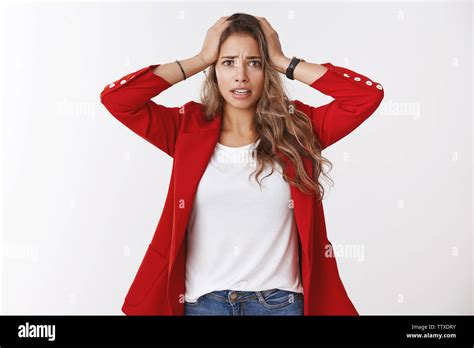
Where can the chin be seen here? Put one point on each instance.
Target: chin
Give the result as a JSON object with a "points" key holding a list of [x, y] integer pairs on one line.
{"points": [[243, 105], [247, 102]]}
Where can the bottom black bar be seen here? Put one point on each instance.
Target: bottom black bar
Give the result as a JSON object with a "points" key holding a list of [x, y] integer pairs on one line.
{"points": [[166, 330]]}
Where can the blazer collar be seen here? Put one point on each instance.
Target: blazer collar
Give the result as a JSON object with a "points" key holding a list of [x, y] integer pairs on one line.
{"points": [[205, 125]]}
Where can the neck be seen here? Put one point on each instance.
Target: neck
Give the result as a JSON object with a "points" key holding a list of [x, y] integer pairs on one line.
{"points": [[240, 122]]}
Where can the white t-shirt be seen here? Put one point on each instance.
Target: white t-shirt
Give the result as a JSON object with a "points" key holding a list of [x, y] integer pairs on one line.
{"points": [[240, 237]]}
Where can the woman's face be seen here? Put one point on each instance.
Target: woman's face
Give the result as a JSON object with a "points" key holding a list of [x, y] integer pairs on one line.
{"points": [[240, 66]]}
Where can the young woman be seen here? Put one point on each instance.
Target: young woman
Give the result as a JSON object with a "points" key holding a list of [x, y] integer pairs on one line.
{"points": [[230, 242]]}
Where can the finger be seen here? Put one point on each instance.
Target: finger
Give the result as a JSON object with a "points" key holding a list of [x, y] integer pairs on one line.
{"points": [[222, 19], [269, 27], [267, 23], [264, 20], [263, 24], [225, 19], [224, 24]]}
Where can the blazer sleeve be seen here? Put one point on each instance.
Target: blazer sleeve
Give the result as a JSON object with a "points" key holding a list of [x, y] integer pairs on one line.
{"points": [[128, 100], [356, 97]]}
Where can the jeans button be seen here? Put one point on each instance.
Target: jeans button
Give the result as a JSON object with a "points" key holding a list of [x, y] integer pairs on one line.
{"points": [[233, 296]]}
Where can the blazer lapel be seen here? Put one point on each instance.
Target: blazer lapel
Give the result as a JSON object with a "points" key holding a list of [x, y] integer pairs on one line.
{"points": [[193, 152], [304, 215]]}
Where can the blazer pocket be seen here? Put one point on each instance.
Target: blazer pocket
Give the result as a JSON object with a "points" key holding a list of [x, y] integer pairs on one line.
{"points": [[152, 267]]}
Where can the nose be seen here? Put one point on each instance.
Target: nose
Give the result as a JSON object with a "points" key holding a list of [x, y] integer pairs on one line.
{"points": [[241, 73]]}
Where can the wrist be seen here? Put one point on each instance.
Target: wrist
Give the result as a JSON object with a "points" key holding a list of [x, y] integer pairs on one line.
{"points": [[282, 64], [203, 62]]}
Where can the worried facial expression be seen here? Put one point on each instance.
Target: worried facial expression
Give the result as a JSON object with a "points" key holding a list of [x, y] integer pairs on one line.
{"points": [[240, 66]]}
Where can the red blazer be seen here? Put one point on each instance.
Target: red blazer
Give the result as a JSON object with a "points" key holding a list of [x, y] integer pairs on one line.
{"points": [[183, 133]]}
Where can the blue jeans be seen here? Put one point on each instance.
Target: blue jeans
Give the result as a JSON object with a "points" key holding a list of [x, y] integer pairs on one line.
{"points": [[232, 302]]}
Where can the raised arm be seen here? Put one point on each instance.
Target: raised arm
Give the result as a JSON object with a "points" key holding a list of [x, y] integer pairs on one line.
{"points": [[128, 99], [356, 97]]}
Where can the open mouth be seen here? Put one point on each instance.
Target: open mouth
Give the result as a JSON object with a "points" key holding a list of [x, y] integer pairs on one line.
{"points": [[241, 92]]}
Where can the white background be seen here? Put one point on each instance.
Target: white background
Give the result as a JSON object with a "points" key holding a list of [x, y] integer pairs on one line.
{"points": [[82, 194]]}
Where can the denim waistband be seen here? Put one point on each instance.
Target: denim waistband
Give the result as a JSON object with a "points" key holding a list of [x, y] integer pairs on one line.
{"points": [[240, 295]]}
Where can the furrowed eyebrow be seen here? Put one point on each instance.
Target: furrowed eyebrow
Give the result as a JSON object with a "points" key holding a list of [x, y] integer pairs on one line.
{"points": [[249, 57]]}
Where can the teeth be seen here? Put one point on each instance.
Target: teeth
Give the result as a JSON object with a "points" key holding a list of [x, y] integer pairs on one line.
{"points": [[241, 91]]}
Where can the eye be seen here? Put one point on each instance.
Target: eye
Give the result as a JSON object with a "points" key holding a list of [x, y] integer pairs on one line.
{"points": [[256, 61], [258, 64]]}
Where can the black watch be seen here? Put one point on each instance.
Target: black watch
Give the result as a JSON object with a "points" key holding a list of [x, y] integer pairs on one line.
{"points": [[291, 67]]}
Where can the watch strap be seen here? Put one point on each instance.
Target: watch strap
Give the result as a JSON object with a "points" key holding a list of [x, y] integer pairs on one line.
{"points": [[291, 67]]}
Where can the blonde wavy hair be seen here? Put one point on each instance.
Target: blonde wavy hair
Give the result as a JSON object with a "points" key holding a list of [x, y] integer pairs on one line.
{"points": [[278, 123]]}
